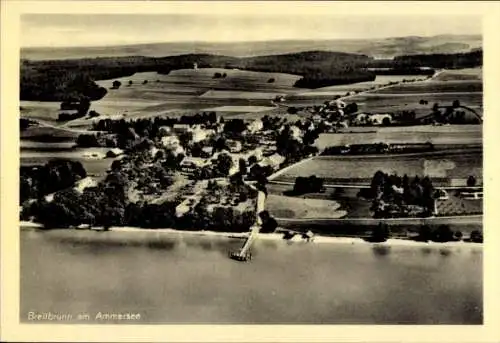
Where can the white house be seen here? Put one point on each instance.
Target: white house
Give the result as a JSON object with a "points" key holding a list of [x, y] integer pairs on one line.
{"points": [[296, 132], [255, 126], [336, 104], [378, 119], [200, 134], [181, 128], [84, 183], [361, 119], [275, 160], [153, 151], [170, 141]]}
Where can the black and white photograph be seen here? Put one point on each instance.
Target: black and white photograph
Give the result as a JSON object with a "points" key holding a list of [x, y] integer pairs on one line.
{"points": [[250, 167]]}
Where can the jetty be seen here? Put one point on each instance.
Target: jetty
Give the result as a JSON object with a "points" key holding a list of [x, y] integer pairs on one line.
{"points": [[243, 254]]}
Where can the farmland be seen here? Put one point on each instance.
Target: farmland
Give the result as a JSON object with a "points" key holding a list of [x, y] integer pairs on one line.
{"points": [[292, 207], [380, 80], [437, 135], [444, 168], [187, 90], [460, 74], [93, 166], [407, 96]]}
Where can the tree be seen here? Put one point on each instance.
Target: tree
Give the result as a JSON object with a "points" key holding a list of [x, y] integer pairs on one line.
{"points": [[380, 233], [242, 164], [145, 82], [116, 84], [93, 114], [84, 106], [455, 104], [223, 164], [424, 234], [217, 75], [130, 82], [386, 121], [471, 181], [476, 236], [87, 141], [351, 108], [269, 224], [271, 80], [443, 234]]}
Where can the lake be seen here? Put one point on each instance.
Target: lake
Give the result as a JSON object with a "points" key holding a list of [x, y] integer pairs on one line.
{"points": [[182, 278]]}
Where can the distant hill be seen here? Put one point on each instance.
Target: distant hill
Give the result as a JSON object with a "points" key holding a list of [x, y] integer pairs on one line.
{"points": [[58, 80], [377, 48]]}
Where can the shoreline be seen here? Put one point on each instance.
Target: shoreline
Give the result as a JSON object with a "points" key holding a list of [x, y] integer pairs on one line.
{"points": [[274, 237]]}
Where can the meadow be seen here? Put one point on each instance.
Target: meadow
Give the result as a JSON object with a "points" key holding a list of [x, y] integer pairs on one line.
{"points": [[445, 168], [438, 135], [460, 74], [34, 156], [380, 80], [297, 207], [180, 92]]}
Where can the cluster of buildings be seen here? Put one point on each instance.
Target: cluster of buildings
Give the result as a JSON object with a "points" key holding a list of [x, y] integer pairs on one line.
{"points": [[259, 150]]}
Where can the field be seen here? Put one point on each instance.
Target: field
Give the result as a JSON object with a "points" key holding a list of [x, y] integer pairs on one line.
{"points": [[460, 74], [93, 166], [438, 135], [330, 91], [38, 110], [408, 95], [464, 85], [294, 207], [444, 168], [184, 91]]}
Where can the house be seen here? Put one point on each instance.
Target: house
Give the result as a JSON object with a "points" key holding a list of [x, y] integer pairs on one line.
{"points": [[84, 183], [190, 164], [361, 119], [295, 132], [336, 104], [153, 151], [274, 161], [170, 141], [380, 119], [255, 126], [181, 128], [257, 152], [234, 146], [200, 134], [207, 151]]}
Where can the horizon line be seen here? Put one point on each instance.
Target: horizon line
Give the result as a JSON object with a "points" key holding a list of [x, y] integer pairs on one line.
{"points": [[240, 42]]}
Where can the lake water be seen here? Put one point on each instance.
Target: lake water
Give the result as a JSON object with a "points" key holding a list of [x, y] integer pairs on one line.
{"points": [[180, 278]]}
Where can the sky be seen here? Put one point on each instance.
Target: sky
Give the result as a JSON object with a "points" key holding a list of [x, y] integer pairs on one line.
{"points": [[60, 30]]}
